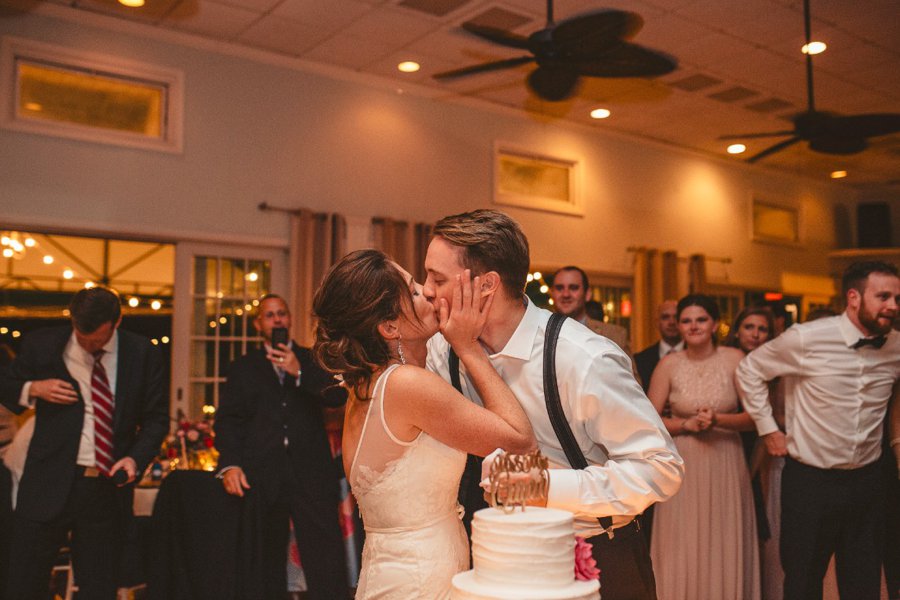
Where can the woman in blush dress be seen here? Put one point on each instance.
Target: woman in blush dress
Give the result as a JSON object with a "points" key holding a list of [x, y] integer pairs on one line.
{"points": [[407, 431], [704, 539]]}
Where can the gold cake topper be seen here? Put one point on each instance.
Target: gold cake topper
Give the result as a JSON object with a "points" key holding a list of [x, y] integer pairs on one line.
{"points": [[515, 479]]}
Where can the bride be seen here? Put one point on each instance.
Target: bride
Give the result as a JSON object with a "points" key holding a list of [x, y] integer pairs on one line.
{"points": [[407, 431]]}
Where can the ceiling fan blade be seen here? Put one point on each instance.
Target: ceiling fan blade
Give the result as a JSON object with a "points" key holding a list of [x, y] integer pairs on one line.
{"points": [[773, 149], [868, 125], [624, 60], [553, 84], [750, 136], [497, 36], [838, 144], [594, 32], [485, 67]]}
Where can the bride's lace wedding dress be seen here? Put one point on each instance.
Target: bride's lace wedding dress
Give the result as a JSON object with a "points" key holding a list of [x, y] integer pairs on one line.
{"points": [[406, 493]]}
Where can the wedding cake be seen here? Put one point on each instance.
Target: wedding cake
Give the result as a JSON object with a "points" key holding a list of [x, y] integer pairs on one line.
{"points": [[523, 555]]}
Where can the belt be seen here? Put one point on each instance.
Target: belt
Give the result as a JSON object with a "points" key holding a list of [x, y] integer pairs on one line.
{"points": [[633, 526], [89, 472]]}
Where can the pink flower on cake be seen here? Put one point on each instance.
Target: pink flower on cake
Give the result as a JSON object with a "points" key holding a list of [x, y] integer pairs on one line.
{"points": [[585, 565]]}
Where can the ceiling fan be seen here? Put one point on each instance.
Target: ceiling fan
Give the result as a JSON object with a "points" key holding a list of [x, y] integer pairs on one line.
{"points": [[824, 131], [590, 45]]}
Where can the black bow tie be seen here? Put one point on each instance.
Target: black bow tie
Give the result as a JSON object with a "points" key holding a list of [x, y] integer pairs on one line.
{"points": [[876, 342]]}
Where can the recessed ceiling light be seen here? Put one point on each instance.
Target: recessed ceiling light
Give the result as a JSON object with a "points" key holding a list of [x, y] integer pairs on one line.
{"points": [[600, 113], [408, 66], [132, 3], [736, 148], [813, 48], [838, 174]]}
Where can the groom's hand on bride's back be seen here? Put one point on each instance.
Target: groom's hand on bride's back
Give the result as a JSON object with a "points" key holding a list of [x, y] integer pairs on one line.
{"points": [[235, 481]]}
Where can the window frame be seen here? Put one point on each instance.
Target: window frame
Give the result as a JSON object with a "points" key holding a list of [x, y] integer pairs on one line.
{"points": [[14, 50]]}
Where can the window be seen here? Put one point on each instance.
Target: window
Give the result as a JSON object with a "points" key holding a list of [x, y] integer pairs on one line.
{"points": [[224, 295], [63, 92]]}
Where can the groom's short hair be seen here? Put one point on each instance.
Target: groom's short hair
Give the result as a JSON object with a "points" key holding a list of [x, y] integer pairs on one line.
{"points": [[490, 241]]}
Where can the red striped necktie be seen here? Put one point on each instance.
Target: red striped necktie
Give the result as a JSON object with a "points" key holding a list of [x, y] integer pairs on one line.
{"points": [[102, 399]]}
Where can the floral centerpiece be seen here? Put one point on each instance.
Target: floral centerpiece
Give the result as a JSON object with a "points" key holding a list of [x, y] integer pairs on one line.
{"points": [[190, 446]]}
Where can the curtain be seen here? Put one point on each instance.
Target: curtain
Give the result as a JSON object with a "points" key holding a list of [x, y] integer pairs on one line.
{"points": [[697, 273], [318, 240], [655, 280], [405, 242]]}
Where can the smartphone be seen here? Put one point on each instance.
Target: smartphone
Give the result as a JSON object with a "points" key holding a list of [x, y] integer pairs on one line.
{"points": [[279, 336]]}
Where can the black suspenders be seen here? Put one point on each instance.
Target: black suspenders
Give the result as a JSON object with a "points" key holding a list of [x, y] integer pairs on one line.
{"points": [[551, 396]]}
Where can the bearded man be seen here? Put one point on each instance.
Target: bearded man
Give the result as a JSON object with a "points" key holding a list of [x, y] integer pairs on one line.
{"points": [[841, 374]]}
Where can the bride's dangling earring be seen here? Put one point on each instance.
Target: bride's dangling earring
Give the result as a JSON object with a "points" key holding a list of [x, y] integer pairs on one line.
{"points": [[400, 350]]}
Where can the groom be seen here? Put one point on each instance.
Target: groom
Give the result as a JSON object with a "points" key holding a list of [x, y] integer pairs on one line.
{"points": [[632, 460]]}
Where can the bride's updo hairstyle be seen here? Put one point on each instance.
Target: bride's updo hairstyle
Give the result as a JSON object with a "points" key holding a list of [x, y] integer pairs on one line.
{"points": [[360, 291]]}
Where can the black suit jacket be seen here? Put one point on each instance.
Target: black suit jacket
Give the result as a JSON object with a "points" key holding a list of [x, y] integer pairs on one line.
{"points": [[140, 416], [255, 414], [646, 361]]}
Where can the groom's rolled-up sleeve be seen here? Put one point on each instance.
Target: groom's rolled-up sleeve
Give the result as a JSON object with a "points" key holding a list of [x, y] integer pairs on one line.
{"points": [[633, 460]]}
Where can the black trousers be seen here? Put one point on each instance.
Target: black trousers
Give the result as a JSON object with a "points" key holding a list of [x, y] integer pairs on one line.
{"points": [[319, 540], [827, 512], [93, 515], [5, 521], [626, 572]]}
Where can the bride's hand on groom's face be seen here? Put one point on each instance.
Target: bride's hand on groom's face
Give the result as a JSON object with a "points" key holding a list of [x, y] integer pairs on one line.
{"points": [[462, 322]]}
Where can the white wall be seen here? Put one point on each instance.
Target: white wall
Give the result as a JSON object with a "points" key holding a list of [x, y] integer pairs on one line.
{"points": [[261, 132]]}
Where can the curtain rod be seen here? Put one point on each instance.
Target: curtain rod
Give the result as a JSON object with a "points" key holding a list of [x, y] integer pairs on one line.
{"points": [[266, 206], [721, 259]]}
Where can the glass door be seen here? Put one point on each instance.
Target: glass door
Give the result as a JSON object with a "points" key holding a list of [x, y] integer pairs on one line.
{"points": [[216, 291]]}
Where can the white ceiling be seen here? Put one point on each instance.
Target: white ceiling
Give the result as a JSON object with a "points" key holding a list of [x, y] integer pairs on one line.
{"points": [[719, 44]]}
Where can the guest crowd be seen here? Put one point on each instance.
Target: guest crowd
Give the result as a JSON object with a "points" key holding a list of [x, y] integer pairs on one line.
{"points": [[790, 439]]}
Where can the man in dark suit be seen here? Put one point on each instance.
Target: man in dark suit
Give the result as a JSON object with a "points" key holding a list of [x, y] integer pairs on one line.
{"points": [[271, 437], [645, 362], [647, 359], [101, 408]]}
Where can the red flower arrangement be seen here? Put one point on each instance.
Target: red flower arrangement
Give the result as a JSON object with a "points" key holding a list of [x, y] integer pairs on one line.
{"points": [[188, 442], [585, 565]]}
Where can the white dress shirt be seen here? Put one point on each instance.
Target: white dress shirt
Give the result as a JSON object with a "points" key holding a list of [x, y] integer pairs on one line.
{"points": [[835, 397], [633, 461], [80, 365], [665, 348]]}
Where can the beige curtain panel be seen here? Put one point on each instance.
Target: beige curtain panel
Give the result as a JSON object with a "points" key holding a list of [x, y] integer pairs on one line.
{"points": [[318, 240], [655, 280], [403, 241]]}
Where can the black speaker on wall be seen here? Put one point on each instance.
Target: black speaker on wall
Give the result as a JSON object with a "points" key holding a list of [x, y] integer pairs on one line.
{"points": [[873, 225]]}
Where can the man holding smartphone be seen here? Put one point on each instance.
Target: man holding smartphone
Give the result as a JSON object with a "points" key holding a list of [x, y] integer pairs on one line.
{"points": [[271, 439]]}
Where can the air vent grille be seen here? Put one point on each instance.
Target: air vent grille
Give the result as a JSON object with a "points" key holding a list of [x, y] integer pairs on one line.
{"points": [[437, 8], [769, 105], [695, 83], [734, 94], [499, 18]]}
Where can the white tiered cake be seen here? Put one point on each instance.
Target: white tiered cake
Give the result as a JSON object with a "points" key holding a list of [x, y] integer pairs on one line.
{"points": [[523, 555]]}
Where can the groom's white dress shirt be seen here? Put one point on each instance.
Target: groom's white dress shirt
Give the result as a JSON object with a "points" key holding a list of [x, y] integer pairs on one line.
{"points": [[609, 414]]}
